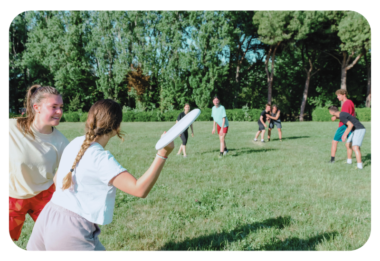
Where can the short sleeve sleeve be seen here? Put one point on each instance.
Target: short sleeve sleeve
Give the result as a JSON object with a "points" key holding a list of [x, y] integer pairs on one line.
{"points": [[108, 167], [212, 112]]}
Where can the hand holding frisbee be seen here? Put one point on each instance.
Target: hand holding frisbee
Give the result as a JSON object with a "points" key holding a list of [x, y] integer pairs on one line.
{"points": [[178, 128]]}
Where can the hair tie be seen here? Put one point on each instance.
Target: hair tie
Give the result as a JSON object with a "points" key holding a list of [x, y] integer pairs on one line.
{"points": [[71, 170]]}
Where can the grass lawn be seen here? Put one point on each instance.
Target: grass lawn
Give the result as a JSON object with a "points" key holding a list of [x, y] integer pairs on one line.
{"points": [[271, 196]]}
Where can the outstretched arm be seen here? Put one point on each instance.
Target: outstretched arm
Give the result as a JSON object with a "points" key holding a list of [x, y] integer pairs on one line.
{"points": [[142, 186]]}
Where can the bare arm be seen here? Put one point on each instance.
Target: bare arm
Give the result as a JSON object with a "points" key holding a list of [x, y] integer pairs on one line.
{"points": [[142, 186], [349, 128], [213, 127], [261, 119]]}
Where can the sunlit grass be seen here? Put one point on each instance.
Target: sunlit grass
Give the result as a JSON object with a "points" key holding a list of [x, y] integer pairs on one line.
{"points": [[271, 196]]}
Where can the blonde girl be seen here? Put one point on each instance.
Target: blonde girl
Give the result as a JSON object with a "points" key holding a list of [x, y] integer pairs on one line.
{"points": [[35, 148], [86, 180]]}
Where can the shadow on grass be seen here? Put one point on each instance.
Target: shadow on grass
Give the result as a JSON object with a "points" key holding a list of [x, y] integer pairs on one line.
{"points": [[292, 138], [240, 151], [296, 243], [218, 241], [366, 160]]}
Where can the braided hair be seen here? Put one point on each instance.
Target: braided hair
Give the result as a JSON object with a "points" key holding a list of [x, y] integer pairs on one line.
{"points": [[104, 117]]}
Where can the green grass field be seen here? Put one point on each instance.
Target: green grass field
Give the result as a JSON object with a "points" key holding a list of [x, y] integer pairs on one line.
{"points": [[271, 196]]}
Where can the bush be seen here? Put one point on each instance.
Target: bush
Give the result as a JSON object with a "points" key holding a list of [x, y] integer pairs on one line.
{"points": [[83, 117], [321, 114], [363, 114], [128, 116], [254, 114], [70, 117], [205, 115]]}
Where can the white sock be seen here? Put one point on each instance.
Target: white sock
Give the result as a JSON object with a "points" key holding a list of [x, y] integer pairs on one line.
{"points": [[360, 165], [349, 161]]}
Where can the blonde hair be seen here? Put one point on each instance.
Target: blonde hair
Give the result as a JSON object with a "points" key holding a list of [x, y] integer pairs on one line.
{"points": [[34, 95], [104, 117]]}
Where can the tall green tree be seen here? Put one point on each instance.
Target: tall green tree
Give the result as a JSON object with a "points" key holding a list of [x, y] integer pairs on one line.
{"points": [[355, 34], [274, 29], [18, 80]]}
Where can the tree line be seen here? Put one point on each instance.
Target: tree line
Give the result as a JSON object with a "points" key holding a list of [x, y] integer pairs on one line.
{"points": [[162, 59]]}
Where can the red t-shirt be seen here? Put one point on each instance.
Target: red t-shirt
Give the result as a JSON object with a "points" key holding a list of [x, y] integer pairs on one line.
{"points": [[349, 107]]}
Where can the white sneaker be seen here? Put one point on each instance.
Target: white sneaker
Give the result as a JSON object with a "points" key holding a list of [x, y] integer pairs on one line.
{"points": [[225, 152]]}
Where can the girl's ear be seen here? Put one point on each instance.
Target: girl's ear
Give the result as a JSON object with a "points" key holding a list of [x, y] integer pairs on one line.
{"points": [[36, 108]]}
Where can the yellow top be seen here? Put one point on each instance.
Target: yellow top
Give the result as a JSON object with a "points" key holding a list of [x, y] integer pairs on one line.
{"points": [[33, 162]]}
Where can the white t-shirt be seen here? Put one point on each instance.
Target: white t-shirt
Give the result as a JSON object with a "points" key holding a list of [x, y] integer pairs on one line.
{"points": [[32, 161], [91, 196]]}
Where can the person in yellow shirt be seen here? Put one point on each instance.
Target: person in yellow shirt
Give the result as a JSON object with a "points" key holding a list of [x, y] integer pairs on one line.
{"points": [[35, 149]]}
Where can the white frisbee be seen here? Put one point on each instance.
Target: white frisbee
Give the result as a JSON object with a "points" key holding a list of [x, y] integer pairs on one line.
{"points": [[178, 128]]}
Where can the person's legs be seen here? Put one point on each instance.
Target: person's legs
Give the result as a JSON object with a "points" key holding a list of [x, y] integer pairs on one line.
{"points": [[262, 135], [357, 139], [358, 154], [225, 145], [180, 149], [334, 147], [269, 133], [349, 152], [257, 134], [222, 143], [279, 133], [17, 212]]}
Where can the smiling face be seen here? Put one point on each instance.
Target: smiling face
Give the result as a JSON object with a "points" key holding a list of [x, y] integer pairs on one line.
{"points": [[187, 108], [49, 111], [216, 102], [274, 109]]}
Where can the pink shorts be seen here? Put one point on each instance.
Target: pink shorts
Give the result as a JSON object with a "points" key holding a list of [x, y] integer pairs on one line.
{"points": [[58, 228]]}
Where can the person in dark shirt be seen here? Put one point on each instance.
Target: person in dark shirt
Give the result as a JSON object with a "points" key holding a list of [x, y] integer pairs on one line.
{"points": [[184, 136], [261, 122], [355, 139]]}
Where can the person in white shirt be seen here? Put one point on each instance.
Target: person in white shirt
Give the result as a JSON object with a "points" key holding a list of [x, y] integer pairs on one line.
{"points": [[35, 148], [86, 180]]}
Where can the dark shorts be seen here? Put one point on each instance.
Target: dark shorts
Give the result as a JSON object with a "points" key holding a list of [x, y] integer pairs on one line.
{"points": [[272, 123], [261, 127], [339, 132], [184, 137]]}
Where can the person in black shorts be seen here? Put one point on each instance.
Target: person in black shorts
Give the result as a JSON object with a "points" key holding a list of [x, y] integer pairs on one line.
{"points": [[261, 122], [274, 120], [184, 136]]}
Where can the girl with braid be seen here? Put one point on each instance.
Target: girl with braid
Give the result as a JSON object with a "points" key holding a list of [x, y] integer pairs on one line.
{"points": [[35, 148], [86, 180]]}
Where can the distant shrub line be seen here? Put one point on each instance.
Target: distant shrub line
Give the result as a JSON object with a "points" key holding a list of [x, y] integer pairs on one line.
{"points": [[319, 114]]}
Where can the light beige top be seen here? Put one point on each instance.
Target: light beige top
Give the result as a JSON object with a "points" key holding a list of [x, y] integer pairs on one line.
{"points": [[33, 162]]}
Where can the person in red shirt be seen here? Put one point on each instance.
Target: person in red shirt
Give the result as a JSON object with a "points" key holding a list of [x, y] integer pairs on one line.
{"points": [[349, 107]]}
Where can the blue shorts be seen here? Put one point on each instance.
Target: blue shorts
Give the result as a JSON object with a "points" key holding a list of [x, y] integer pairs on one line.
{"points": [[339, 133]]}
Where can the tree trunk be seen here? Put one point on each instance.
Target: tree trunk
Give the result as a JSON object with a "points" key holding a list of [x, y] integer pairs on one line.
{"points": [[270, 75], [237, 87], [304, 96]]}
